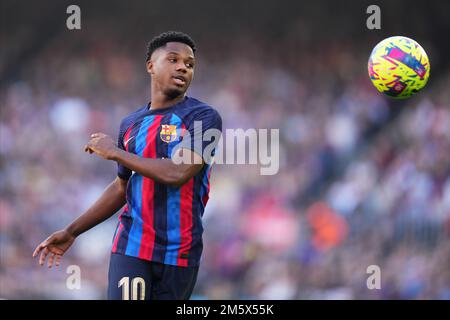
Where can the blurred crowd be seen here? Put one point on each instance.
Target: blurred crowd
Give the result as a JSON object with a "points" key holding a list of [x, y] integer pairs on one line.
{"points": [[364, 180]]}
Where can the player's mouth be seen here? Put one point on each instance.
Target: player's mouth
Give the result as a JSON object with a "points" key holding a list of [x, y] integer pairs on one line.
{"points": [[179, 80]]}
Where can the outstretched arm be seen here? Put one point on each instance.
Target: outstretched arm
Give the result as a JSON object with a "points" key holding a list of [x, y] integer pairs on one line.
{"points": [[112, 199]]}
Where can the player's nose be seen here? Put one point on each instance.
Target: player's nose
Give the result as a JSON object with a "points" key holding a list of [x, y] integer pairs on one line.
{"points": [[181, 67]]}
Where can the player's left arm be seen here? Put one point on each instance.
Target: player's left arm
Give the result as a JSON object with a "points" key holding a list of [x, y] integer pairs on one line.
{"points": [[161, 170]]}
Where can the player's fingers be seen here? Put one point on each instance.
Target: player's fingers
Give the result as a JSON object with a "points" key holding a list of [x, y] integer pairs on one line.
{"points": [[50, 260], [57, 260], [44, 254], [37, 250], [41, 246], [87, 148]]}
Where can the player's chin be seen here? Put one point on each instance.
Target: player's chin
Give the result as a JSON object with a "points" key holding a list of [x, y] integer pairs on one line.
{"points": [[175, 91]]}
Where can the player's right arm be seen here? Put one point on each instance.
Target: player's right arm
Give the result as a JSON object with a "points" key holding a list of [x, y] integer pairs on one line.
{"points": [[112, 199]]}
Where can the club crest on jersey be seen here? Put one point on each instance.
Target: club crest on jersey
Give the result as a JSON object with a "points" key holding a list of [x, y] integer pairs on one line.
{"points": [[168, 132]]}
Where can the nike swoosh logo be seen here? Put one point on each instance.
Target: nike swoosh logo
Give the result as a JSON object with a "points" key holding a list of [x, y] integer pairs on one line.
{"points": [[126, 142]]}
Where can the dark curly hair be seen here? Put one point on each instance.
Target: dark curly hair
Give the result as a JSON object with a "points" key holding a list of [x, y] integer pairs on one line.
{"points": [[169, 36]]}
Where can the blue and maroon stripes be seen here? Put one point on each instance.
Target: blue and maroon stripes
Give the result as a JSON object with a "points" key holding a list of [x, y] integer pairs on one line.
{"points": [[173, 210], [179, 209], [160, 202], [161, 223], [204, 191], [117, 235], [135, 234], [186, 223], [200, 190], [148, 187], [121, 241]]}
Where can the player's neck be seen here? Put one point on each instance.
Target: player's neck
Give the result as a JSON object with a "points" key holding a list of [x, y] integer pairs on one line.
{"points": [[161, 101]]}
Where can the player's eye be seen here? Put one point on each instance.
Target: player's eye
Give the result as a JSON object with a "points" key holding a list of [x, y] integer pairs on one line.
{"points": [[173, 60], [190, 65]]}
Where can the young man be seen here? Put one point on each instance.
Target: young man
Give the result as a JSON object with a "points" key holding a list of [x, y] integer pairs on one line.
{"points": [[157, 245]]}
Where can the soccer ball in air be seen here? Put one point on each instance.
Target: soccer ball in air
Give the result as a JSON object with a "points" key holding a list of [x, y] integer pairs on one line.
{"points": [[399, 67]]}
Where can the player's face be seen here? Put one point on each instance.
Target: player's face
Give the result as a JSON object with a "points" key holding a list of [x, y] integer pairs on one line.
{"points": [[172, 68]]}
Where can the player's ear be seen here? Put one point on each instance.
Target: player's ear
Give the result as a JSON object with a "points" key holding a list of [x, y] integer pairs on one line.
{"points": [[149, 66]]}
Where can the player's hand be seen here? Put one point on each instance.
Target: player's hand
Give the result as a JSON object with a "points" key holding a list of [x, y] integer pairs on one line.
{"points": [[102, 145], [55, 245]]}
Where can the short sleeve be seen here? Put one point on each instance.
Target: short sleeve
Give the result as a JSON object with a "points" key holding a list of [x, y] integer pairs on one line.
{"points": [[122, 172], [203, 134]]}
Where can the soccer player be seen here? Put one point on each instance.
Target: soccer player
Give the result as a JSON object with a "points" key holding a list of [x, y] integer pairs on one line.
{"points": [[157, 245]]}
